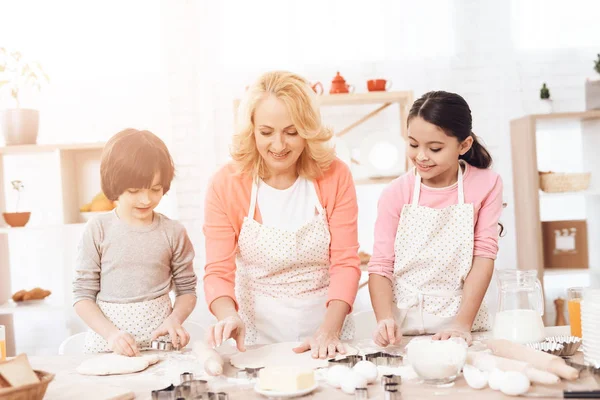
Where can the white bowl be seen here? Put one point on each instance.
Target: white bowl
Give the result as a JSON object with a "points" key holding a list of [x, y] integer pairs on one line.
{"points": [[437, 361]]}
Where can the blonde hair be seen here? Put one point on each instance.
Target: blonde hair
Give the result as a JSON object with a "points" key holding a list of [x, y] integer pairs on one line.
{"points": [[301, 103]]}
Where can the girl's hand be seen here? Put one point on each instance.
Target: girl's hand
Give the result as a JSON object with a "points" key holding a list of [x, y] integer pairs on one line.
{"points": [[229, 327], [455, 330], [121, 342], [388, 333], [323, 344], [171, 326]]}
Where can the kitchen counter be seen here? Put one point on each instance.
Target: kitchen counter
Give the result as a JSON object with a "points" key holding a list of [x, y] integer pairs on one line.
{"points": [[70, 385]]}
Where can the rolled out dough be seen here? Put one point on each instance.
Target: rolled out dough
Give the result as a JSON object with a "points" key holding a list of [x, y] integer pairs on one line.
{"points": [[115, 364], [281, 355]]}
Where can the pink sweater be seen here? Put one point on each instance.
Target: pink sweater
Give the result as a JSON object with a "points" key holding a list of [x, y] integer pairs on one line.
{"points": [[227, 203], [483, 188]]}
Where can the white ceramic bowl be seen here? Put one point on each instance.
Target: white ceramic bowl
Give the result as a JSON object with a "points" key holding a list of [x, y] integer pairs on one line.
{"points": [[437, 362]]}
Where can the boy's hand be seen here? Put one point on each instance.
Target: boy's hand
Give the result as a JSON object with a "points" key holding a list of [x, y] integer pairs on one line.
{"points": [[123, 343], [171, 326]]}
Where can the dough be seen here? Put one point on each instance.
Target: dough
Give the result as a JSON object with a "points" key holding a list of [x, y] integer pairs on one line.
{"points": [[281, 355], [114, 364]]}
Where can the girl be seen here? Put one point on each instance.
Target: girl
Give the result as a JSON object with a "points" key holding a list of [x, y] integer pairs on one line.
{"points": [[129, 258], [436, 235]]}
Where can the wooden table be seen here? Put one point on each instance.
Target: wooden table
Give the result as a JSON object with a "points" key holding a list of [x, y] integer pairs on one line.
{"points": [[70, 385]]}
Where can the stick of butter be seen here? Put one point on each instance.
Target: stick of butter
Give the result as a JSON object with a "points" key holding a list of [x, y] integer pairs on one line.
{"points": [[285, 379]]}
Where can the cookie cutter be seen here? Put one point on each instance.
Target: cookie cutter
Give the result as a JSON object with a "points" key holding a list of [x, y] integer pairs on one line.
{"points": [[162, 345], [391, 380], [215, 396], [189, 388], [349, 361], [382, 359], [392, 394], [361, 393], [248, 373]]}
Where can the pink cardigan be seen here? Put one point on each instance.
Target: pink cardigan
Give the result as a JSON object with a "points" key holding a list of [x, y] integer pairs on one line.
{"points": [[227, 203]]}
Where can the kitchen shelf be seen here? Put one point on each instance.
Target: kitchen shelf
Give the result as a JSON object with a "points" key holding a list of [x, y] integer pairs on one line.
{"points": [[566, 271], [9, 229], [47, 148], [77, 166], [593, 192], [12, 307], [527, 193]]}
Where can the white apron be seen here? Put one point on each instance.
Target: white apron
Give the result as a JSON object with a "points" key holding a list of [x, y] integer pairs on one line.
{"points": [[283, 278], [138, 319], [433, 255]]}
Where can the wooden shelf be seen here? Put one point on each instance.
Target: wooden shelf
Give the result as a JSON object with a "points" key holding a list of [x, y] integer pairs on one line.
{"points": [[47, 148], [9, 229], [11, 307], [576, 115], [365, 98], [593, 192], [375, 181], [566, 271]]}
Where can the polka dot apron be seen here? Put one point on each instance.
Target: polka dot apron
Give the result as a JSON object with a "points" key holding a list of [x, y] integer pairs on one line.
{"points": [[283, 278], [138, 319], [433, 255]]}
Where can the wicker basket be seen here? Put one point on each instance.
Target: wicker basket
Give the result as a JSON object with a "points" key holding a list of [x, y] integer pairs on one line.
{"points": [[35, 391], [552, 182]]}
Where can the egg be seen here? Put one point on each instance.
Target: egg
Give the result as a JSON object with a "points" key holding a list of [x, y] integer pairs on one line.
{"points": [[336, 373], [495, 379], [351, 381], [367, 369], [514, 383], [475, 378]]}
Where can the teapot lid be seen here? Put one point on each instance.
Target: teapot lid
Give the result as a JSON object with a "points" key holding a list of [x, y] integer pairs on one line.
{"points": [[338, 78]]}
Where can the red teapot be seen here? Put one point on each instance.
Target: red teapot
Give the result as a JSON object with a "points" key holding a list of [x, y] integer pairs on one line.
{"points": [[338, 85]]}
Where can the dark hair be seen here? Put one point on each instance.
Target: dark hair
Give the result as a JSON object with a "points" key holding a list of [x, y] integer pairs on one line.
{"points": [[452, 114], [131, 159]]}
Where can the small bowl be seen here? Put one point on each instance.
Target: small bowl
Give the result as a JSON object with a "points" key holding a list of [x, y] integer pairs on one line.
{"points": [[17, 219], [437, 362]]}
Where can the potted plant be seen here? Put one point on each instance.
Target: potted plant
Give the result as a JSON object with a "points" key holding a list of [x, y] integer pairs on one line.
{"points": [[545, 100], [19, 125], [17, 218], [592, 89]]}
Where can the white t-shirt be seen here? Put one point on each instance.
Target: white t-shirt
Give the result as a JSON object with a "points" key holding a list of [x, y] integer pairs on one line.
{"points": [[289, 208]]}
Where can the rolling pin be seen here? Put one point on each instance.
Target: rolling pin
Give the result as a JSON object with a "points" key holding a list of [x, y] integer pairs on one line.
{"points": [[212, 361], [487, 362], [538, 359]]}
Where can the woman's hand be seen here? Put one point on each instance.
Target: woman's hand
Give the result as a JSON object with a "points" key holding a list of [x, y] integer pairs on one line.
{"points": [[388, 333], [171, 326], [323, 344], [455, 330], [121, 342], [229, 327]]}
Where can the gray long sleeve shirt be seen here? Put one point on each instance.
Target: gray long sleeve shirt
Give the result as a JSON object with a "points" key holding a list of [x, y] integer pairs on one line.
{"points": [[119, 263]]}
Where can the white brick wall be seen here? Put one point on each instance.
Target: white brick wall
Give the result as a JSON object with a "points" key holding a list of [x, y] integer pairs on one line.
{"points": [[498, 81]]}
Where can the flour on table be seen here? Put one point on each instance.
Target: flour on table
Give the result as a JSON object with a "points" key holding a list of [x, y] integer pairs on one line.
{"points": [[281, 355], [114, 364]]}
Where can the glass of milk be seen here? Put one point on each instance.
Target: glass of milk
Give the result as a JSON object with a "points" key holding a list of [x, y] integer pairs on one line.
{"points": [[520, 306]]}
